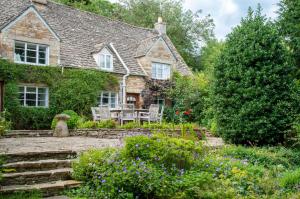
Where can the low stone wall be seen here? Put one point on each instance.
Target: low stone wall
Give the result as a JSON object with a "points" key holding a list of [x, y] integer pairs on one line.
{"points": [[99, 133]]}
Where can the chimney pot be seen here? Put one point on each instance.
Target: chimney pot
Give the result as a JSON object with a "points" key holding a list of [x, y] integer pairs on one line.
{"points": [[160, 26]]}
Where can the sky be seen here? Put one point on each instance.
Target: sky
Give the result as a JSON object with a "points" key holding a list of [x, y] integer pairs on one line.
{"points": [[228, 13]]}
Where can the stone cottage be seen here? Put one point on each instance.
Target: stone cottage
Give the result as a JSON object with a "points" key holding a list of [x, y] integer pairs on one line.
{"points": [[41, 32]]}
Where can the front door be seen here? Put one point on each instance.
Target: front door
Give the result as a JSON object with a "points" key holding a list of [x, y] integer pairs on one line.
{"points": [[133, 98], [1, 95]]}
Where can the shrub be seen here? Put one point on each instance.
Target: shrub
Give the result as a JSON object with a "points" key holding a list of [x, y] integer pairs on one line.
{"points": [[291, 179], [253, 87], [4, 124], [87, 125], [72, 122], [109, 124]]}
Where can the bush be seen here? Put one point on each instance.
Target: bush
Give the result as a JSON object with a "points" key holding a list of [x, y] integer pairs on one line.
{"points": [[4, 125], [163, 167], [72, 122], [291, 179], [253, 87], [74, 89]]}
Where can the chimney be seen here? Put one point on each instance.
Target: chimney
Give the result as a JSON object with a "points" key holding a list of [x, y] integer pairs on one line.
{"points": [[160, 26]]}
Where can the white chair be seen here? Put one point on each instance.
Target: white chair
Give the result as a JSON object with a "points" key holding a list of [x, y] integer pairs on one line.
{"points": [[153, 115], [127, 113], [101, 113]]}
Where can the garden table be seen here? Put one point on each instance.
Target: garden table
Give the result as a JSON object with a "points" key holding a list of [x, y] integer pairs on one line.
{"points": [[137, 111]]}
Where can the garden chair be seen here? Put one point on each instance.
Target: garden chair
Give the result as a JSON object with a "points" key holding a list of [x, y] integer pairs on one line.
{"points": [[127, 113], [153, 115], [101, 113]]}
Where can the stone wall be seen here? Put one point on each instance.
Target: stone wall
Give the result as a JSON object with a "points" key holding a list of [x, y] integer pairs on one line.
{"points": [[99, 133], [31, 29]]}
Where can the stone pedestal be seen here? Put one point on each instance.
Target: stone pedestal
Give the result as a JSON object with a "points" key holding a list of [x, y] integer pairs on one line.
{"points": [[61, 129]]}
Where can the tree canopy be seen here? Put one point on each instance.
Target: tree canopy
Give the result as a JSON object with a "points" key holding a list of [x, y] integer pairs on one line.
{"points": [[253, 84]]}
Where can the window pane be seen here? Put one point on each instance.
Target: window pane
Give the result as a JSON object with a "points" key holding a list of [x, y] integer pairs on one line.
{"points": [[41, 103], [20, 54], [167, 72], [41, 90], [31, 47], [108, 61], [102, 61], [31, 89], [41, 96], [30, 96], [20, 45], [31, 59], [30, 102], [153, 70], [42, 49]]}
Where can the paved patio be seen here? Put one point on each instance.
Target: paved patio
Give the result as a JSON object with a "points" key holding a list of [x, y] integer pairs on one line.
{"points": [[42, 144]]}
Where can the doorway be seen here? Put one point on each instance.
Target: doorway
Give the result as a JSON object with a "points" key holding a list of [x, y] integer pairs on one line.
{"points": [[133, 98]]}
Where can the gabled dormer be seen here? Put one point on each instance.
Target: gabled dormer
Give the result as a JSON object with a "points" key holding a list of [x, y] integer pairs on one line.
{"points": [[28, 39], [104, 59]]}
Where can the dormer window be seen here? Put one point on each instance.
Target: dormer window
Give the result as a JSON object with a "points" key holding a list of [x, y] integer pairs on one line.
{"points": [[29, 53], [105, 60]]}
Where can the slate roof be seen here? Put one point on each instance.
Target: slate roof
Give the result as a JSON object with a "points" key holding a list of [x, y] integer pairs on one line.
{"points": [[82, 33]]}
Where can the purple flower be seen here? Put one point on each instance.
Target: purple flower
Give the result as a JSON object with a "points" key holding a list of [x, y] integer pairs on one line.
{"points": [[138, 173], [103, 181], [137, 158]]}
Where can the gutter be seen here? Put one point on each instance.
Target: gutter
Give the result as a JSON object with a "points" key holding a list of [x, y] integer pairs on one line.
{"points": [[125, 76]]}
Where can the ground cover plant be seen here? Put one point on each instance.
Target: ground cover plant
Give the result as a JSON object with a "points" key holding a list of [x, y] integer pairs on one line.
{"points": [[164, 167]]}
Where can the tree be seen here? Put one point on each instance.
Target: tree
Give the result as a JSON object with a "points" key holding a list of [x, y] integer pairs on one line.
{"points": [[253, 84], [289, 22], [187, 30]]}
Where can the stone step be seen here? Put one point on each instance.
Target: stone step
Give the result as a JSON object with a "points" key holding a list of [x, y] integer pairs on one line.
{"points": [[48, 189], [40, 165], [44, 155], [28, 133], [33, 177]]}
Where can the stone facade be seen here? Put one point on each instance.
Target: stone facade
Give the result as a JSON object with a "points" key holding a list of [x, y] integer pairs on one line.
{"points": [[75, 39], [31, 29]]}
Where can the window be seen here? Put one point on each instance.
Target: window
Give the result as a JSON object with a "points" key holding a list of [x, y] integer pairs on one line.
{"points": [[105, 61], [108, 99], [29, 53], [160, 71], [159, 101], [33, 96]]}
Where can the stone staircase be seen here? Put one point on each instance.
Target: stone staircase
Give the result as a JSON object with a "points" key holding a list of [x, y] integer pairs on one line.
{"points": [[49, 172]]}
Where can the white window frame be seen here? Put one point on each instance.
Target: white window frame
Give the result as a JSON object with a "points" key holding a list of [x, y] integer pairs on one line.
{"points": [[109, 99], [164, 68], [37, 53], [36, 96], [105, 55]]}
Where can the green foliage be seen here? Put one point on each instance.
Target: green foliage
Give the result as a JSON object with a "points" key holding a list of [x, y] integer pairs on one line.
{"points": [[22, 195], [4, 124], [187, 96], [74, 89], [253, 87], [187, 29], [291, 179], [266, 157], [72, 122], [109, 124], [289, 23], [162, 167]]}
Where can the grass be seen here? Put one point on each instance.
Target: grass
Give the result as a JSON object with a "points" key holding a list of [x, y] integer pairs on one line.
{"points": [[22, 195]]}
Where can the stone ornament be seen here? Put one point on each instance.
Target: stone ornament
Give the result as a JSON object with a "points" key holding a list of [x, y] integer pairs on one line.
{"points": [[61, 129]]}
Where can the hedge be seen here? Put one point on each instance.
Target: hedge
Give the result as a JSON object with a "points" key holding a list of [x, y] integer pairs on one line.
{"points": [[69, 89]]}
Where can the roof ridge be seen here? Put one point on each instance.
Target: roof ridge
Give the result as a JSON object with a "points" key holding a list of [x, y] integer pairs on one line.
{"points": [[98, 15]]}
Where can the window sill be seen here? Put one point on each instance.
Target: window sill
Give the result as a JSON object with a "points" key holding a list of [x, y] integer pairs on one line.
{"points": [[33, 64]]}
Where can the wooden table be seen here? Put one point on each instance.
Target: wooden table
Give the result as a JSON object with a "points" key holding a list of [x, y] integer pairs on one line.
{"points": [[137, 111]]}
